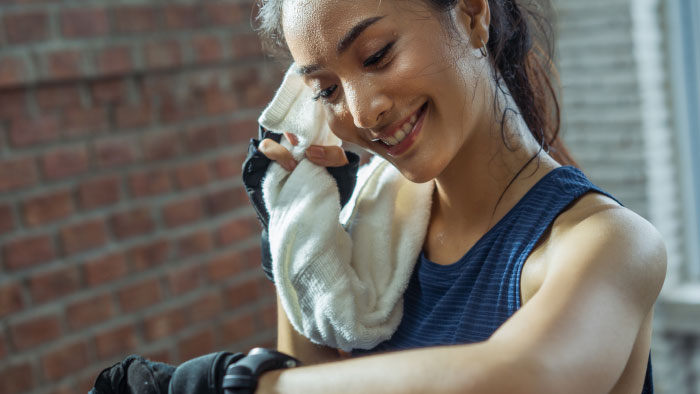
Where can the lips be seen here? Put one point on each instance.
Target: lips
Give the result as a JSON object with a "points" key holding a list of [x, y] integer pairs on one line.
{"points": [[407, 142]]}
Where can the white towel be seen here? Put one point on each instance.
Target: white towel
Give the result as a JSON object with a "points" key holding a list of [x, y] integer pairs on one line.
{"points": [[340, 275]]}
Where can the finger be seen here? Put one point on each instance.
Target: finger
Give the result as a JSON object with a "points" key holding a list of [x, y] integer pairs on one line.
{"points": [[326, 156], [276, 152], [292, 138]]}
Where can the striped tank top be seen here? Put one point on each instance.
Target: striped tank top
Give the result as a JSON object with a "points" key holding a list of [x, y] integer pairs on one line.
{"points": [[467, 301]]}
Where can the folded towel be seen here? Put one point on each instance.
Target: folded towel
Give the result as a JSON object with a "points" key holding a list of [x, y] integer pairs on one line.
{"points": [[340, 275]]}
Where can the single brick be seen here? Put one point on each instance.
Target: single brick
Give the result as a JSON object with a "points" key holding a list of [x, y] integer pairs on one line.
{"points": [[10, 298], [90, 311], [109, 91], [7, 222], [182, 16], [52, 285], [14, 71], [252, 258], [65, 64], [65, 360], [237, 329], [98, 192], [115, 152], [183, 212], [161, 146], [225, 266], [241, 131], [225, 200], [59, 96], [133, 222], [83, 236], [35, 331], [202, 139], [84, 22], [27, 252], [47, 208], [196, 344], [192, 175], [81, 121], [246, 46], [177, 110], [65, 162], [134, 19], [149, 183], [241, 294], [184, 279], [130, 116], [140, 295], [164, 54], [163, 324], [114, 60], [116, 341], [22, 28], [228, 166], [13, 102], [25, 132], [227, 14], [149, 255], [105, 269], [16, 378], [205, 307], [218, 102], [195, 243], [17, 173], [207, 49], [237, 230]]}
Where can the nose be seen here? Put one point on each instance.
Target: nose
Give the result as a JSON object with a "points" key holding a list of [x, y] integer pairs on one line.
{"points": [[367, 104]]}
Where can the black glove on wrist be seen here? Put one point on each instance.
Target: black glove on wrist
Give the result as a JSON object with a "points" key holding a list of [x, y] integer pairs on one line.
{"points": [[242, 376], [254, 169]]}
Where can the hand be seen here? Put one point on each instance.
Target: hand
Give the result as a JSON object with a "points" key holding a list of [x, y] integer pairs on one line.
{"points": [[324, 156]]}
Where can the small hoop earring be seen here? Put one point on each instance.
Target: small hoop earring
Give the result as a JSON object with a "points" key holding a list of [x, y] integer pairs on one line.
{"points": [[483, 50]]}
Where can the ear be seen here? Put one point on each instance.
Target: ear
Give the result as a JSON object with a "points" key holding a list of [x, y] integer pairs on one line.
{"points": [[475, 18]]}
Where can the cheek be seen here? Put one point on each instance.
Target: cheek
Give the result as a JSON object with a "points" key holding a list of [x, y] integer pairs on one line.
{"points": [[342, 124]]}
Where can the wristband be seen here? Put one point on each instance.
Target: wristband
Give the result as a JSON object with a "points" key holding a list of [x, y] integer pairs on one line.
{"points": [[242, 376]]}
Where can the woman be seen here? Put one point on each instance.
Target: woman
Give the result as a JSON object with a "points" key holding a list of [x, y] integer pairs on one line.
{"points": [[453, 92]]}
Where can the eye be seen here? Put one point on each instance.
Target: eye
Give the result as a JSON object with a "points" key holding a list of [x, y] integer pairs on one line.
{"points": [[378, 56], [325, 94]]}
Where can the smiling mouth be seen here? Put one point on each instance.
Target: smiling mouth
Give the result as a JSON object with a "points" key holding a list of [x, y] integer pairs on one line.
{"points": [[404, 130]]}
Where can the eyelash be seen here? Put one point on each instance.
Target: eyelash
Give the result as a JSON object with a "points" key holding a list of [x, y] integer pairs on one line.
{"points": [[372, 60]]}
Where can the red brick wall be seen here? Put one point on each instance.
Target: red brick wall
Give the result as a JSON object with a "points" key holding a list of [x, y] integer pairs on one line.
{"points": [[124, 227]]}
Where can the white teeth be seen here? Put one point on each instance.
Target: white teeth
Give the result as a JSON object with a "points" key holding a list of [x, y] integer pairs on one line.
{"points": [[400, 135], [391, 141]]}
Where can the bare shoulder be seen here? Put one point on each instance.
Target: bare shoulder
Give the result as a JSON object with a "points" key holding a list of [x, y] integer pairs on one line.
{"points": [[604, 239]]}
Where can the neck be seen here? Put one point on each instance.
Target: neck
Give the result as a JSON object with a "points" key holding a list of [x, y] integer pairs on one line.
{"points": [[472, 193]]}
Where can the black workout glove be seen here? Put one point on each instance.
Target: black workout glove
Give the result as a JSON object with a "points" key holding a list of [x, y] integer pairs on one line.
{"points": [[254, 169], [136, 375]]}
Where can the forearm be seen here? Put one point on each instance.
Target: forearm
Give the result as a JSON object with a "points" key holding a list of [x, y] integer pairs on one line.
{"points": [[480, 368], [291, 342]]}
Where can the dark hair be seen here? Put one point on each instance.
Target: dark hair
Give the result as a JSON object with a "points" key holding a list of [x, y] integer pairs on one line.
{"points": [[521, 49]]}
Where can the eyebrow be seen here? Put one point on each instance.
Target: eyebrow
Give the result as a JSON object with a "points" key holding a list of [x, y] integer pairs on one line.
{"points": [[344, 42]]}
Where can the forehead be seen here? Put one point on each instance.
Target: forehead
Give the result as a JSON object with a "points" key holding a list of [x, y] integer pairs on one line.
{"points": [[312, 28]]}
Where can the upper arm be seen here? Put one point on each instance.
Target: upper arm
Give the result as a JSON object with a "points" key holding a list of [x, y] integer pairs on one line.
{"points": [[581, 326]]}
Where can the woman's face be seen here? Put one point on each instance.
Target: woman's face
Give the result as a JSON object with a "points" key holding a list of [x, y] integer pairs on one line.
{"points": [[392, 77]]}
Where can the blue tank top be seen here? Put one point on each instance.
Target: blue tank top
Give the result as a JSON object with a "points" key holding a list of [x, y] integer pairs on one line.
{"points": [[467, 301]]}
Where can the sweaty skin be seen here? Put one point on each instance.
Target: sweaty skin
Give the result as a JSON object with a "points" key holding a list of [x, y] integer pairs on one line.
{"points": [[588, 287]]}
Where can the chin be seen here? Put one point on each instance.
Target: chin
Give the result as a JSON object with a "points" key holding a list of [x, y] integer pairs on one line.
{"points": [[417, 175]]}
